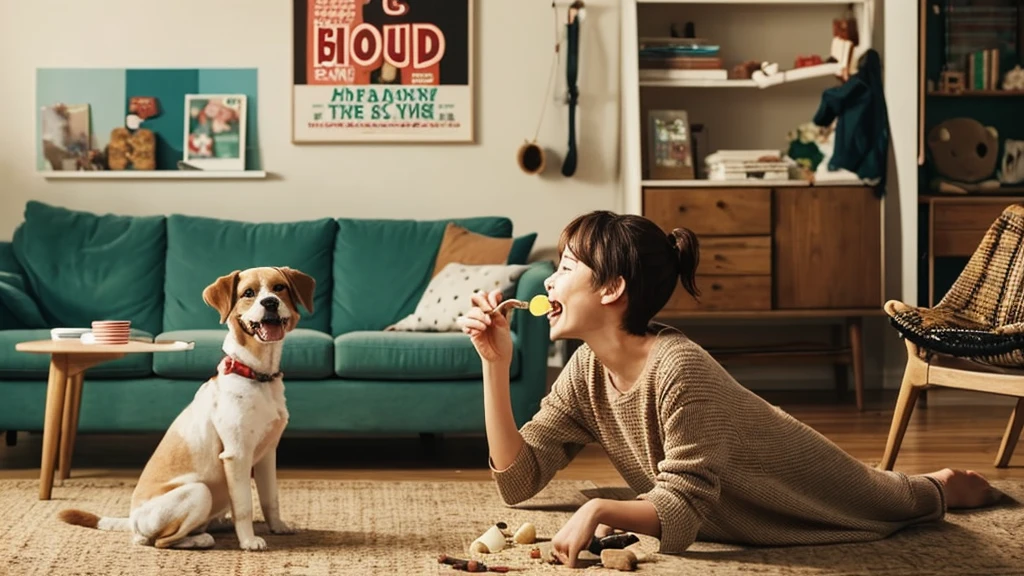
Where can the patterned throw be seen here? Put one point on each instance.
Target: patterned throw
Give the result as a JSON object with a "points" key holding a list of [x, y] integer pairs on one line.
{"points": [[982, 315]]}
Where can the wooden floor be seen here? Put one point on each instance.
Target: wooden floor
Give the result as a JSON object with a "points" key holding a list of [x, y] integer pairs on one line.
{"points": [[956, 429]]}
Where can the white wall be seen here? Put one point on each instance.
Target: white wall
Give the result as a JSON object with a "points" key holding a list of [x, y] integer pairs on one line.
{"points": [[400, 181]]}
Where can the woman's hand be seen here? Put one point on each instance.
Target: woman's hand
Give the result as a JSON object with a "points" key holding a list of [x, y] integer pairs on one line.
{"points": [[576, 534], [489, 333]]}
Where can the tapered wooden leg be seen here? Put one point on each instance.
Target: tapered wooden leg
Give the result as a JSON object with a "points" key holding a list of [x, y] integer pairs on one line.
{"points": [[1013, 428], [12, 437], [69, 428], [857, 359], [900, 418], [56, 389]]}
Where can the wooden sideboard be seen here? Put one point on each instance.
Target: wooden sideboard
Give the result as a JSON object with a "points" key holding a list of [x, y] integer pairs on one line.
{"points": [[781, 252]]}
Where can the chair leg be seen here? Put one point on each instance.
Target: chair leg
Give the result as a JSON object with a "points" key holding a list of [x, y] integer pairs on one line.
{"points": [[12, 437], [857, 358], [1013, 429], [909, 391]]}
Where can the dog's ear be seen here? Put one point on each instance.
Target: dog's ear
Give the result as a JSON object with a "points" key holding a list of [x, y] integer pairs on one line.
{"points": [[301, 286], [221, 294]]}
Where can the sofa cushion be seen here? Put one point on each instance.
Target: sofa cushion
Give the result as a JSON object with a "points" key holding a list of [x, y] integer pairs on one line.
{"points": [[382, 267], [200, 250], [20, 365], [411, 356], [307, 354], [83, 267], [448, 295], [465, 247], [522, 246]]}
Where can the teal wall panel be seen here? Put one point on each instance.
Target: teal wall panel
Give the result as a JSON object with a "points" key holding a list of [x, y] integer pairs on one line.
{"points": [[103, 89]]}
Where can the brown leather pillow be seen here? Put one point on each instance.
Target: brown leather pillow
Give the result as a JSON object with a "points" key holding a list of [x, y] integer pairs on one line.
{"points": [[466, 247]]}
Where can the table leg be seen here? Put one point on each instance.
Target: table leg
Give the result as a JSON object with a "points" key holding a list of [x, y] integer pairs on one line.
{"points": [[69, 428], [56, 389], [857, 357]]}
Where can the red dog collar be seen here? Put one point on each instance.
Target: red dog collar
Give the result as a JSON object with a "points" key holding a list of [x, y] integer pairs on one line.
{"points": [[231, 366]]}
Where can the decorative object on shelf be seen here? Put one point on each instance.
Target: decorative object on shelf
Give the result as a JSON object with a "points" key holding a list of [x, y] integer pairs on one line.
{"points": [[215, 131], [804, 61], [964, 153], [131, 150], [844, 40], [803, 146], [952, 82], [140, 109], [1014, 79], [744, 70], [382, 71], [1011, 170], [669, 145], [768, 75], [531, 156], [66, 136]]}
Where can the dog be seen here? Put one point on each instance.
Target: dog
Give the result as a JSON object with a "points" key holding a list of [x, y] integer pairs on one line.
{"points": [[200, 471]]}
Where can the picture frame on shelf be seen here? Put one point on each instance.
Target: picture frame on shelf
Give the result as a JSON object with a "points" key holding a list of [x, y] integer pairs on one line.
{"points": [[215, 127], [670, 145]]}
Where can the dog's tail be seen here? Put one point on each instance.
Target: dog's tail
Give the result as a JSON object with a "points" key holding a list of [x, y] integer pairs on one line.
{"points": [[90, 520]]}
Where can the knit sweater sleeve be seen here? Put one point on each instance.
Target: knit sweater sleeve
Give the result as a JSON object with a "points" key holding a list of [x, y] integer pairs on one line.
{"points": [[554, 436], [696, 430]]}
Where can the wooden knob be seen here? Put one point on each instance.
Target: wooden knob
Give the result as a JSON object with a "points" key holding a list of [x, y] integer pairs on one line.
{"points": [[720, 257], [682, 208], [716, 286], [720, 204]]}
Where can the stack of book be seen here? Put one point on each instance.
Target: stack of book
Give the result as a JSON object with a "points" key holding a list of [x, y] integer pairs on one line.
{"points": [[736, 165], [982, 70], [669, 59]]}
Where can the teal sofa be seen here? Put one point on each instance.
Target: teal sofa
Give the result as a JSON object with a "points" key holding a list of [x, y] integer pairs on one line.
{"points": [[343, 372]]}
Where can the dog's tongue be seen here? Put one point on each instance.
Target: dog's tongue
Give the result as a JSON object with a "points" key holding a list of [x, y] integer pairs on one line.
{"points": [[270, 332]]}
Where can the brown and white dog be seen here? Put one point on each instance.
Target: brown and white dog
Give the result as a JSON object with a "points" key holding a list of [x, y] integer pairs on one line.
{"points": [[200, 471]]}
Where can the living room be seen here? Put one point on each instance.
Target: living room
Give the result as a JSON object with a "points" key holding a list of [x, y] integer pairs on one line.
{"points": [[385, 461]]}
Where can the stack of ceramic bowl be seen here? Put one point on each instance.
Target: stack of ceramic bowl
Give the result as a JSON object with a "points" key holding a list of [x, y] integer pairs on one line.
{"points": [[111, 331]]}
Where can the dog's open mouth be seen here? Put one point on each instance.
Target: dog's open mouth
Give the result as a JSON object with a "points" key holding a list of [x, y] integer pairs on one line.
{"points": [[270, 329]]}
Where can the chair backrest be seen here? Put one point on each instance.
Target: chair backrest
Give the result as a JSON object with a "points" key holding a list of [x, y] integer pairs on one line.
{"points": [[990, 290]]}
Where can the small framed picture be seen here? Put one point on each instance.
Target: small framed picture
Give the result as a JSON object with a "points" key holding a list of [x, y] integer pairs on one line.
{"points": [[670, 145], [215, 131]]}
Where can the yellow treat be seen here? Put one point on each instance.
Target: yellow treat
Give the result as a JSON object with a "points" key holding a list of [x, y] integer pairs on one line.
{"points": [[540, 305]]}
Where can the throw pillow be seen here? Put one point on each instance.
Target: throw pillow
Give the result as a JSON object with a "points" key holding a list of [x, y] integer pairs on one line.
{"points": [[448, 295], [465, 247], [521, 248]]}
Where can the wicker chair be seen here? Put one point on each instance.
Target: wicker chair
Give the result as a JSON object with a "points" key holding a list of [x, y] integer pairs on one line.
{"points": [[973, 339]]}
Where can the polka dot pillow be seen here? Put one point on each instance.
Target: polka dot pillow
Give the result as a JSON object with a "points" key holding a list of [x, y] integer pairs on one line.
{"points": [[448, 295]]}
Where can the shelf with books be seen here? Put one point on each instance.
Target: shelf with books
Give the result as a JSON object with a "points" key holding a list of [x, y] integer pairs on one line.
{"points": [[719, 78], [977, 94]]}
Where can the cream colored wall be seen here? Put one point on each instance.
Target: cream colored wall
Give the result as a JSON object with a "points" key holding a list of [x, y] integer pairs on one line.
{"points": [[435, 181], [407, 181]]}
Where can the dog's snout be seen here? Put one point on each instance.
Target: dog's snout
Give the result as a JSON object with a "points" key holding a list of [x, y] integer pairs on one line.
{"points": [[270, 303]]}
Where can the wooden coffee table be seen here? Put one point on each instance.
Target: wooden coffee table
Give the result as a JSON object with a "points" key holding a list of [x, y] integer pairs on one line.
{"points": [[68, 361]]}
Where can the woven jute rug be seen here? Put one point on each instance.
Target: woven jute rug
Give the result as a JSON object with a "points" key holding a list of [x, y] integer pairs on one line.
{"points": [[399, 528]]}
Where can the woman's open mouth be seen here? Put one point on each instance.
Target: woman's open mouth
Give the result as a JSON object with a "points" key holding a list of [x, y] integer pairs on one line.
{"points": [[556, 310]]}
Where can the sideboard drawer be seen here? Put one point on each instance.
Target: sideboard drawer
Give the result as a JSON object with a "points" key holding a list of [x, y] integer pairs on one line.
{"points": [[735, 255], [711, 211], [975, 216], [724, 293]]}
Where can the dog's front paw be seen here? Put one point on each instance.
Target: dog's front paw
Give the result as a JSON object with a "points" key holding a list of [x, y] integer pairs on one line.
{"points": [[255, 544], [281, 527]]}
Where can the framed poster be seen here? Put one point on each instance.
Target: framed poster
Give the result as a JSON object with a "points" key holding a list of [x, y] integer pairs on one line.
{"points": [[670, 150], [215, 131], [382, 71]]}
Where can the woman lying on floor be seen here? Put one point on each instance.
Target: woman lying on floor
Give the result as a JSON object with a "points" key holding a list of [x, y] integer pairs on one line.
{"points": [[709, 459]]}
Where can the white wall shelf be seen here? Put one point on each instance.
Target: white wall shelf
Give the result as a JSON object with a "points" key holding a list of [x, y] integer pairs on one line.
{"points": [[154, 175], [746, 183], [648, 78], [752, 1]]}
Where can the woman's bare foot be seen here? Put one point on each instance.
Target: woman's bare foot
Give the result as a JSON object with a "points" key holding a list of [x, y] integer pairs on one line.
{"points": [[966, 488]]}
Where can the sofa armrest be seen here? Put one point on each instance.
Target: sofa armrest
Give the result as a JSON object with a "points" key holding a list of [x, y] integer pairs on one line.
{"points": [[18, 309], [534, 341]]}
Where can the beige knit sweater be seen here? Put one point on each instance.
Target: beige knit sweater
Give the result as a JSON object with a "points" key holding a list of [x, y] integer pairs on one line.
{"points": [[716, 461]]}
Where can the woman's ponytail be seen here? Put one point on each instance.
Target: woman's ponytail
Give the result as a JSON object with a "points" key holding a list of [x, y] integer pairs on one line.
{"points": [[688, 248]]}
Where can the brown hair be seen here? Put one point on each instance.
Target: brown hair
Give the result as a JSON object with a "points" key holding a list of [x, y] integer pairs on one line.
{"points": [[635, 248]]}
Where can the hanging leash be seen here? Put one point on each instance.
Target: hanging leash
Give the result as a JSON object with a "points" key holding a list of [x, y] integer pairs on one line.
{"points": [[572, 29]]}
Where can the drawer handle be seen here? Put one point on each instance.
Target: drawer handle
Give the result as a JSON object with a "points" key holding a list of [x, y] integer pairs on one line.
{"points": [[720, 204], [682, 208], [720, 258], [716, 286]]}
